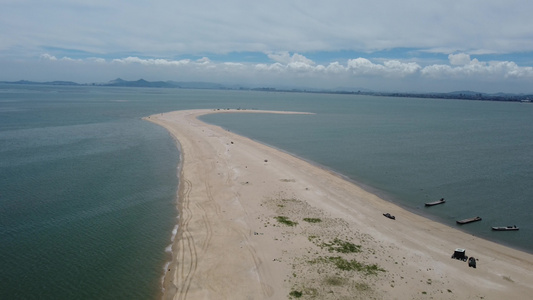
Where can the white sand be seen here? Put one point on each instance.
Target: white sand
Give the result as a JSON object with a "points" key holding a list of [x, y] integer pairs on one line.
{"points": [[231, 246]]}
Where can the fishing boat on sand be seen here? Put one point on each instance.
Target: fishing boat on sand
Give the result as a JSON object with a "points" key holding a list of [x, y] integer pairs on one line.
{"points": [[441, 201], [505, 228], [469, 220]]}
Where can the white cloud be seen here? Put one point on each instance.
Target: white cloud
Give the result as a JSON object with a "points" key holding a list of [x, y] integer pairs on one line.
{"points": [[391, 68], [475, 68], [397, 68], [275, 67], [285, 58], [295, 69], [461, 66], [232, 64], [203, 61], [363, 66], [280, 57], [47, 56], [335, 68], [148, 62], [459, 59]]}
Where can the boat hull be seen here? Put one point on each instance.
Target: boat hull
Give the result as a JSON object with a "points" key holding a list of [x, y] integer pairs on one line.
{"points": [[434, 203], [508, 228], [466, 221]]}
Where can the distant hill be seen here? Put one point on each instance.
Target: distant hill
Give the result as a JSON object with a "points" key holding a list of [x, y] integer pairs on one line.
{"points": [[138, 83], [162, 84], [125, 83], [141, 83], [42, 83]]}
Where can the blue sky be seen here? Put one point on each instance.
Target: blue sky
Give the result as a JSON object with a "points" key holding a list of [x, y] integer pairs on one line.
{"points": [[384, 45]]}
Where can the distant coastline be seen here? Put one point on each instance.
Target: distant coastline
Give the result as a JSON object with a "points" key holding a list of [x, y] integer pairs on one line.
{"points": [[141, 83]]}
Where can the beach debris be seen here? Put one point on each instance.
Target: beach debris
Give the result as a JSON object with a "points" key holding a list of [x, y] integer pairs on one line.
{"points": [[266, 160], [389, 216], [472, 262]]}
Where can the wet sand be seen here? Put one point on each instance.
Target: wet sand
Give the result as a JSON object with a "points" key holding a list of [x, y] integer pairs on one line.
{"points": [[258, 223]]}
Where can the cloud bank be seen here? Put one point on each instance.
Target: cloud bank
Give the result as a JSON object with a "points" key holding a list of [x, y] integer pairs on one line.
{"points": [[297, 70], [165, 27]]}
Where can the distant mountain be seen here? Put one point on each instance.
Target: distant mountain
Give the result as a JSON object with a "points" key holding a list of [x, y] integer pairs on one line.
{"points": [[352, 89], [198, 85], [138, 83], [125, 83], [141, 83], [42, 83], [162, 84], [470, 93]]}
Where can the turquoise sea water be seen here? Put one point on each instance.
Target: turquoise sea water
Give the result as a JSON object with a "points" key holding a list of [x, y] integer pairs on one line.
{"points": [[87, 189]]}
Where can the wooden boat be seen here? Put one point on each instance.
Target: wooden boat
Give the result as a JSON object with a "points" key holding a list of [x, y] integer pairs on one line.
{"points": [[470, 220], [505, 228], [441, 201]]}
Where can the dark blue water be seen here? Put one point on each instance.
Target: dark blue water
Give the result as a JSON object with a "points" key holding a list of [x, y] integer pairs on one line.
{"points": [[87, 189]]}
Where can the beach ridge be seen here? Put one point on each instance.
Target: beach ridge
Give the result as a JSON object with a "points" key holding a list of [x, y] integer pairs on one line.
{"points": [[258, 223]]}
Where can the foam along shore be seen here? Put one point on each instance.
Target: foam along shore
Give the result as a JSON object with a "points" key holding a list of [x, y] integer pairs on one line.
{"points": [[257, 223]]}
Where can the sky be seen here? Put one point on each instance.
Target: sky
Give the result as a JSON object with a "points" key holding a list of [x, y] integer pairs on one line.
{"points": [[379, 45]]}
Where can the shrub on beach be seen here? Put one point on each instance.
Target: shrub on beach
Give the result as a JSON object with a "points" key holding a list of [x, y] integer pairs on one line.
{"points": [[286, 221], [313, 220]]}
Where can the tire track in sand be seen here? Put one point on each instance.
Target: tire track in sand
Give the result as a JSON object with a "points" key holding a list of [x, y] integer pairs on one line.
{"points": [[186, 271], [210, 202], [266, 289]]}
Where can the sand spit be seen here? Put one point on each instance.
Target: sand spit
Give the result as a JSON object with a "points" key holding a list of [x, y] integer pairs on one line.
{"points": [[257, 223]]}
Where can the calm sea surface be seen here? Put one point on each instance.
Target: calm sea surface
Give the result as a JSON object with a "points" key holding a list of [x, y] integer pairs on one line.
{"points": [[87, 189]]}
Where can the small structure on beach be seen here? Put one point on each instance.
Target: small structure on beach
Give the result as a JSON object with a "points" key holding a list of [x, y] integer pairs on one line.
{"points": [[460, 254]]}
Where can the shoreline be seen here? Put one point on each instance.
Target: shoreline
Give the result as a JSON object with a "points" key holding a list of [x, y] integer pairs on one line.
{"points": [[231, 243], [379, 193]]}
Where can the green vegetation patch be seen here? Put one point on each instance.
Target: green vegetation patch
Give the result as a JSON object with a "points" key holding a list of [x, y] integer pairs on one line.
{"points": [[341, 246], [350, 265], [286, 221], [295, 294], [313, 220]]}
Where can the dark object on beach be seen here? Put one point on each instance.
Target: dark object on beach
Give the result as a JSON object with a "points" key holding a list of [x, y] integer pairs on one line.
{"points": [[441, 201], [472, 262], [389, 216], [470, 220], [505, 228], [460, 254]]}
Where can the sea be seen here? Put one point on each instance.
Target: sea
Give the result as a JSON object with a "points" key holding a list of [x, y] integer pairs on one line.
{"points": [[88, 189]]}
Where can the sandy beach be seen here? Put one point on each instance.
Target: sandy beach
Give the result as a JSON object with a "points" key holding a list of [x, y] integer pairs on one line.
{"points": [[258, 223]]}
